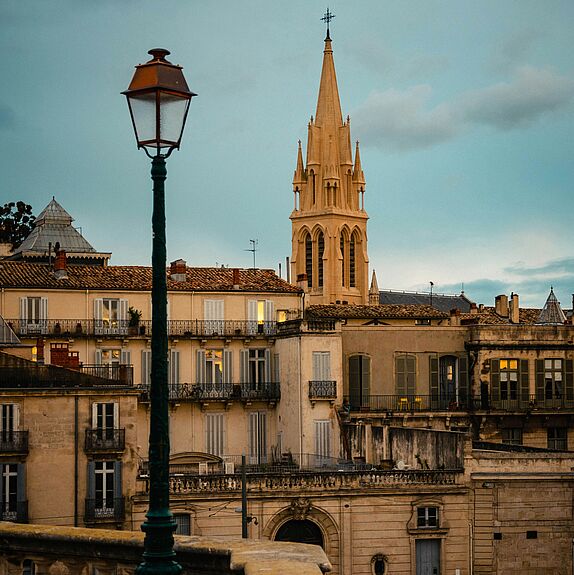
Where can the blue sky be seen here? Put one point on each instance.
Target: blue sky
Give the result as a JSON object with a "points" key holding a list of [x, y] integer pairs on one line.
{"points": [[464, 110]]}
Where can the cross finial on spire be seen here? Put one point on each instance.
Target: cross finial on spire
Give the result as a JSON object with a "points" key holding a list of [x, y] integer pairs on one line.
{"points": [[327, 18]]}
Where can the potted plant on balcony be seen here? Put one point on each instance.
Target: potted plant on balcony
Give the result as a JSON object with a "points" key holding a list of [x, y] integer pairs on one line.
{"points": [[134, 321]]}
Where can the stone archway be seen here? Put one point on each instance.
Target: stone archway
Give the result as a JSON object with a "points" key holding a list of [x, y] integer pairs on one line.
{"points": [[300, 531]]}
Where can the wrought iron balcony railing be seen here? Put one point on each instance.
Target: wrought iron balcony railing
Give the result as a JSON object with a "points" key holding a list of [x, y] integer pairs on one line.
{"points": [[105, 440], [13, 441], [104, 510], [15, 511], [322, 389], [267, 391], [179, 328]]}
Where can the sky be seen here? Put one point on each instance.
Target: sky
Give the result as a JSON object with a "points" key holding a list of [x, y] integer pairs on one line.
{"points": [[464, 111]]}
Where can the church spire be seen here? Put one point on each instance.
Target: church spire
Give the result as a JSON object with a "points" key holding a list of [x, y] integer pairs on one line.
{"points": [[358, 175], [328, 104], [299, 176]]}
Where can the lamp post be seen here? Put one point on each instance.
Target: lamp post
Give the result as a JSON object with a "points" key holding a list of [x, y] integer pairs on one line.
{"points": [[158, 98]]}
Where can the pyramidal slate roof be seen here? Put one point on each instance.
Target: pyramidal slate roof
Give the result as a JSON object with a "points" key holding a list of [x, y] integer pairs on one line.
{"points": [[440, 302], [552, 312], [52, 226]]}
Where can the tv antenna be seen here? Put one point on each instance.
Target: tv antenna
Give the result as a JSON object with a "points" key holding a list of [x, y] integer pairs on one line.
{"points": [[253, 250]]}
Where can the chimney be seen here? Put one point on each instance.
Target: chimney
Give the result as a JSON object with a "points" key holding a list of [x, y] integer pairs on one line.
{"points": [[302, 282], [455, 317], [514, 308], [235, 278], [501, 305], [178, 271], [473, 309], [60, 266]]}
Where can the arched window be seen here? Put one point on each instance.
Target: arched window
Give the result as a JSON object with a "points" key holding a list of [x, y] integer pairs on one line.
{"points": [[309, 259], [300, 531], [320, 251], [359, 381], [352, 263], [342, 248]]}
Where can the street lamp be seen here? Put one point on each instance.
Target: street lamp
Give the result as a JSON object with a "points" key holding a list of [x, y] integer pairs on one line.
{"points": [[158, 99]]}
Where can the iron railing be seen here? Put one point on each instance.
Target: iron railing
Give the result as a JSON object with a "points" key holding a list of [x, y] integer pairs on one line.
{"points": [[38, 376], [267, 391], [179, 328], [104, 510], [319, 389], [15, 511], [13, 441], [105, 440], [419, 402]]}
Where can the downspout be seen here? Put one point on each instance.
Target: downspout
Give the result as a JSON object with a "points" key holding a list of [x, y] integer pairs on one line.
{"points": [[300, 407], [76, 441]]}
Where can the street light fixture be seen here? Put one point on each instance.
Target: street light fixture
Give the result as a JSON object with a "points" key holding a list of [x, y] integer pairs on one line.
{"points": [[158, 99]]}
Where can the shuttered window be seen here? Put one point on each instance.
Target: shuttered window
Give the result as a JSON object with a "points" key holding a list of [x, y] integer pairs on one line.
{"points": [[257, 437], [359, 381], [215, 433], [405, 374], [322, 439], [321, 365]]}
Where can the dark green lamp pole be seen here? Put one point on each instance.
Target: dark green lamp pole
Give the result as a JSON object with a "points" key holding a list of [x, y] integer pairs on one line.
{"points": [[158, 99]]}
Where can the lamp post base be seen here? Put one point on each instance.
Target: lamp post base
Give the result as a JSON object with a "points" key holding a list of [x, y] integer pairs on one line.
{"points": [[159, 556]]}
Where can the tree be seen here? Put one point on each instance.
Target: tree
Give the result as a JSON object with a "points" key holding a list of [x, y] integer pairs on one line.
{"points": [[16, 223]]}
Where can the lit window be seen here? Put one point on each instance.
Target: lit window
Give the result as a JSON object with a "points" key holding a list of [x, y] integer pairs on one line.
{"points": [[427, 517], [183, 523]]}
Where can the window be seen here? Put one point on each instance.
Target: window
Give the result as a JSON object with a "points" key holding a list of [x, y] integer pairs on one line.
{"points": [[508, 379], [322, 440], [104, 490], [427, 517], [111, 316], [448, 381], [320, 253], [343, 263], [214, 315], [359, 381], [110, 360], [512, 436], [321, 366], [352, 266], [214, 433], [183, 523], [309, 259], [558, 438], [214, 366], [12, 492], [28, 567], [510, 385], [405, 374], [104, 419], [9, 419], [260, 317], [257, 366], [257, 437], [33, 314]]}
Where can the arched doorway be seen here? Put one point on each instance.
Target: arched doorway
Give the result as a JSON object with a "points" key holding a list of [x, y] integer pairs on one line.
{"points": [[300, 531]]}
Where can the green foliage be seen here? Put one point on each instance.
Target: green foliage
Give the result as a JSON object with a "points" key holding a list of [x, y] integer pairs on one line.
{"points": [[16, 222]]}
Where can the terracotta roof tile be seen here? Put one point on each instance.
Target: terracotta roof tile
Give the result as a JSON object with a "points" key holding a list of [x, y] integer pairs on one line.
{"points": [[388, 311], [15, 274], [488, 316]]}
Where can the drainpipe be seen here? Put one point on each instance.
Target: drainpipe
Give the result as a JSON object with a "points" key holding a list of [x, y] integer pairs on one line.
{"points": [[76, 441], [300, 407]]}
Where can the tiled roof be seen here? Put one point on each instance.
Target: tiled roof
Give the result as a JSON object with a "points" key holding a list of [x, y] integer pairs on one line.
{"points": [[374, 312], [441, 302], [488, 316], [16, 274], [552, 312]]}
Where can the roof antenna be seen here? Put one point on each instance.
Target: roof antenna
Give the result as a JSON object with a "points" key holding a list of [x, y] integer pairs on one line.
{"points": [[431, 286], [252, 249], [327, 18]]}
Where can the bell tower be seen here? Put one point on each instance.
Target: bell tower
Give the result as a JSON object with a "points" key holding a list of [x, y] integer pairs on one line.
{"points": [[329, 223]]}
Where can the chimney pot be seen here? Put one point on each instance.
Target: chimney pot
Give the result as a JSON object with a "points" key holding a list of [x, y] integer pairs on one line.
{"points": [[236, 278]]}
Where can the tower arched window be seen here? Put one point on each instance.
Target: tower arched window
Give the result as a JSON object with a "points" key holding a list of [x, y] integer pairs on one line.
{"points": [[309, 259], [352, 260], [342, 248], [320, 252]]}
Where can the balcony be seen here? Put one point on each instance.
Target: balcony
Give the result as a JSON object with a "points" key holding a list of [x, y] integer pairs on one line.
{"points": [[260, 391], [322, 389], [13, 442], [122, 328], [105, 511], [105, 440], [15, 511]]}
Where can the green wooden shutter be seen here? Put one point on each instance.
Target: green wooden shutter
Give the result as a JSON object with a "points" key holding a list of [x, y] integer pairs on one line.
{"points": [[540, 381], [411, 372], [91, 480], [495, 380], [400, 375], [117, 479], [524, 383], [463, 391], [365, 379], [21, 482], [433, 383], [354, 382], [569, 380]]}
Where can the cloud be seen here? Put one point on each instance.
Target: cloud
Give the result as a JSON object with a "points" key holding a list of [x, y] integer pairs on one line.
{"points": [[513, 49], [402, 120], [559, 267], [7, 117]]}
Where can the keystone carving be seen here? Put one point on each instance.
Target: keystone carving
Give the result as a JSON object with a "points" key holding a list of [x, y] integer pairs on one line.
{"points": [[300, 508]]}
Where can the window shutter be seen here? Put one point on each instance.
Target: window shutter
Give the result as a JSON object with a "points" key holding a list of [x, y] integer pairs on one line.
{"points": [[1, 489], [539, 365], [21, 482], [43, 309], [227, 366], [569, 379], [208, 309], [433, 382], [219, 309], [524, 382], [354, 381], [269, 310], [276, 374], [15, 417], [23, 308], [146, 367], [495, 379], [200, 366], [125, 357], [117, 479], [323, 438], [267, 365], [173, 367], [116, 415], [91, 487], [98, 357], [244, 366], [411, 373], [262, 447], [326, 366], [463, 378], [95, 415], [316, 366], [252, 443], [252, 316], [98, 312], [400, 368], [366, 379], [123, 310]]}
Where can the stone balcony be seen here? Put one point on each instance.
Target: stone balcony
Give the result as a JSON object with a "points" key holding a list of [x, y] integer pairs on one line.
{"points": [[73, 551]]}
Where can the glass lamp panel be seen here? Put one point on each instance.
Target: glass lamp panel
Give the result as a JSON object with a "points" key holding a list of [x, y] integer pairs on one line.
{"points": [[172, 109], [143, 112]]}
